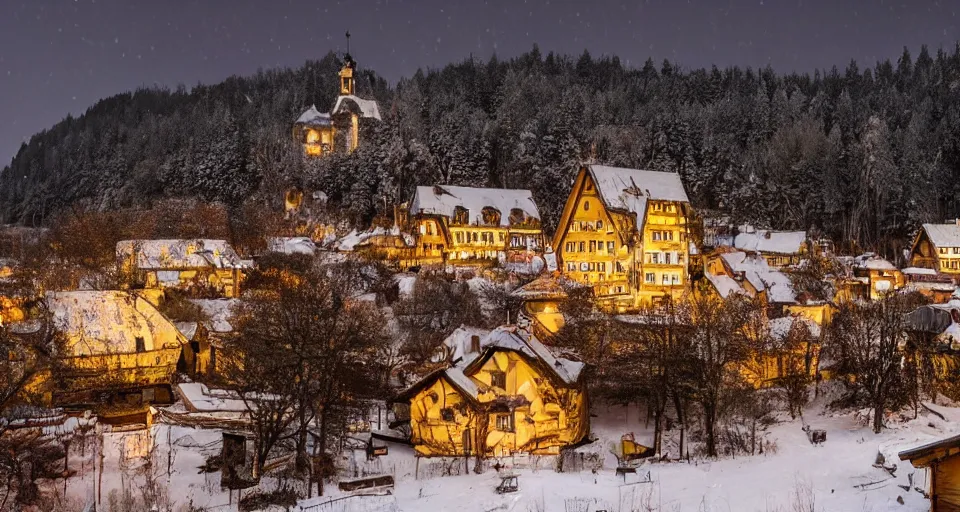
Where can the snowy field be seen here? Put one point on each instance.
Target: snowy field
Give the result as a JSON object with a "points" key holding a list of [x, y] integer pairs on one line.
{"points": [[796, 476]]}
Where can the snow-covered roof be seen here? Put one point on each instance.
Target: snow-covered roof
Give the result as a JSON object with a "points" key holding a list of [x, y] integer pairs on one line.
{"points": [[466, 384], [629, 189], [871, 261], [512, 338], [110, 322], [780, 327], [188, 329], [219, 313], [313, 117], [292, 245], [199, 398], [368, 108], [758, 273], [919, 271], [943, 235], [458, 344], [355, 238], [443, 200], [175, 254], [546, 286], [769, 241], [724, 284]]}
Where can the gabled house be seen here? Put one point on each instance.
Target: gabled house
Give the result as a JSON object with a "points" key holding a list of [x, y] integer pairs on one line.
{"points": [[505, 394], [937, 247], [118, 345], [941, 459], [473, 226], [779, 248], [626, 233], [877, 275], [198, 264]]}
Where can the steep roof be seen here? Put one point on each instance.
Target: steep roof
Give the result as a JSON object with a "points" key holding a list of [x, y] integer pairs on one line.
{"points": [[629, 189], [724, 284], [546, 286], [219, 312], [175, 254], [108, 322], [769, 241], [943, 235], [758, 273], [313, 117], [502, 338], [292, 245], [368, 108], [443, 200], [781, 327]]}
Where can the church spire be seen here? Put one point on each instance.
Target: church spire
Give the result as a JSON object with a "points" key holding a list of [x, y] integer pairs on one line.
{"points": [[346, 72]]}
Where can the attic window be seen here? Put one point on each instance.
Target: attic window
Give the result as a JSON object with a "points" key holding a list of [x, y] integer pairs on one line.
{"points": [[517, 216], [446, 414], [141, 346], [586, 206], [491, 216], [461, 215], [498, 379]]}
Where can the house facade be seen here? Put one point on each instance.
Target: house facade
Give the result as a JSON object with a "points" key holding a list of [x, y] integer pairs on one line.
{"points": [[626, 233], [119, 353], [506, 394], [937, 247], [469, 226]]}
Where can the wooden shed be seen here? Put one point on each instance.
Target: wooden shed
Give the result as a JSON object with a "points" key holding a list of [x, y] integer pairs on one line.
{"points": [[942, 459]]}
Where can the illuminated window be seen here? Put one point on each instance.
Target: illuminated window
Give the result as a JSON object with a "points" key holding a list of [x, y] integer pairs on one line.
{"points": [[650, 277], [943, 250], [610, 247], [656, 235], [505, 422]]}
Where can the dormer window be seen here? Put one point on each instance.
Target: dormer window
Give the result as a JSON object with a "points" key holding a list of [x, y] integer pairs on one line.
{"points": [[517, 216], [491, 216], [461, 215]]}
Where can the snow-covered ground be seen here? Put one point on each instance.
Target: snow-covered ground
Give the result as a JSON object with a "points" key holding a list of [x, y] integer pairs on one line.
{"points": [[837, 476]]}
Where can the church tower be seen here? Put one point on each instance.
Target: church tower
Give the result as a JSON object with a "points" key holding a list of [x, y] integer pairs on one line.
{"points": [[346, 72], [339, 130]]}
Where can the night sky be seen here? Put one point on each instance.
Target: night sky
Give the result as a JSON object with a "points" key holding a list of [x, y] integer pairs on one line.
{"points": [[59, 57]]}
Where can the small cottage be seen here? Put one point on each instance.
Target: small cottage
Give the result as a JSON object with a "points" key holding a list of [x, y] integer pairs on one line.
{"points": [[203, 265], [942, 463], [118, 346], [503, 394], [937, 246], [779, 248]]}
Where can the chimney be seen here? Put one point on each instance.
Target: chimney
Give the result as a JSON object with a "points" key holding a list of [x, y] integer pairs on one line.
{"points": [[474, 344]]}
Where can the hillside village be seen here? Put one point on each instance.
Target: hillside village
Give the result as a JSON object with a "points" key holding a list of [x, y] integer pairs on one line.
{"points": [[464, 346]]}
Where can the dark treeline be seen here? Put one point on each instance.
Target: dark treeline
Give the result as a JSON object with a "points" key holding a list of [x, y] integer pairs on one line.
{"points": [[861, 155]]}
